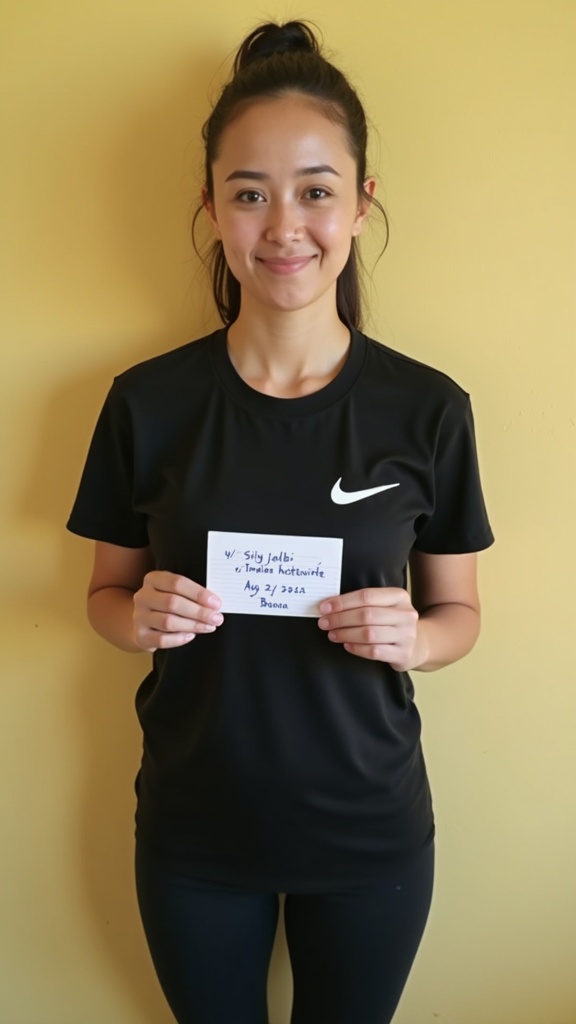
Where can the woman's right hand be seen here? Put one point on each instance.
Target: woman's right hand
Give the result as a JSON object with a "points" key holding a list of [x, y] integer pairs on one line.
{"points": [[170, 610]]}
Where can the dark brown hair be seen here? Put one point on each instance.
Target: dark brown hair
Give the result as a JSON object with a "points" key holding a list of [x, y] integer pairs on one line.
{"points": [[272, 61]]}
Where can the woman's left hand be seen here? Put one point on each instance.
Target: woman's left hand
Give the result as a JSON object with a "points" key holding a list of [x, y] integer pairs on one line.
{"points": [[379, 623]]}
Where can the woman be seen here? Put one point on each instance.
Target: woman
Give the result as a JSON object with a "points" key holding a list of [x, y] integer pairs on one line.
{"points": [[282, 753]]}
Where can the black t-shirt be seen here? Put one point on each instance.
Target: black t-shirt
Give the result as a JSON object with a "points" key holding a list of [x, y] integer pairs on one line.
{"points": [[272, 757]]}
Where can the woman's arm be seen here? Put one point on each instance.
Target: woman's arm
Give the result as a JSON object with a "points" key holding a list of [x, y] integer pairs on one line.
{"points": [[137, 608], [444, 592], [435, 625]]}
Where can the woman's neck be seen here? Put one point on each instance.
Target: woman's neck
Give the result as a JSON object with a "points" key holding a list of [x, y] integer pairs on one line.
{"points": [[288, 355]]}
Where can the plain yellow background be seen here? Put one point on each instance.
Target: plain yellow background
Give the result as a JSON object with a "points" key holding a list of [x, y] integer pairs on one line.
{"points": [[475, 151]]}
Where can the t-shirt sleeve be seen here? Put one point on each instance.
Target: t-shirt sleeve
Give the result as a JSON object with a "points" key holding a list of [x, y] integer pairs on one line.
{"points": [[104, 506], [458, 522]]}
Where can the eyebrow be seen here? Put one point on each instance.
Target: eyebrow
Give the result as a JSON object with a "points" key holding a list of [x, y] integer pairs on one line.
{"points": [[301, 173]]}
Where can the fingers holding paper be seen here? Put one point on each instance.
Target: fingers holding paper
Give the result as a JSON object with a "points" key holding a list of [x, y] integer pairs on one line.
{"points": [[170, 610], [379, 623]]}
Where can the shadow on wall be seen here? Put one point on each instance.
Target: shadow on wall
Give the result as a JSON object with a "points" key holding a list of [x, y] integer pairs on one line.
{"points": [[107, 679]]}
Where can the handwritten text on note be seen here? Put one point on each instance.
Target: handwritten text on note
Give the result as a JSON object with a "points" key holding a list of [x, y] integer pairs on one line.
{"points": [[268, 574]]}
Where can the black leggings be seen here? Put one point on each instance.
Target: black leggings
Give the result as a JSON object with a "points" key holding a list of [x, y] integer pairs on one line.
{"points": [[351, 950]]}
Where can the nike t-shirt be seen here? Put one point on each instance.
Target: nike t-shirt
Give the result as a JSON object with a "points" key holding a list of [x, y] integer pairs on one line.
{"points": [[271, 756]]}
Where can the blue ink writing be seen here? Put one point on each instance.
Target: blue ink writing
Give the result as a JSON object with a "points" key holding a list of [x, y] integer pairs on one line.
{"points": [[282, 556], [293, 570]]}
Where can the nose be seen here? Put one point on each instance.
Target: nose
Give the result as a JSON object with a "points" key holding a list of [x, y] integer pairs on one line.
{"points": [[284, 222]]}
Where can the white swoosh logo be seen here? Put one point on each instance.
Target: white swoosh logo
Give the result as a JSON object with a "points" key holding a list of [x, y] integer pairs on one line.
{"points": [[341, 497]]}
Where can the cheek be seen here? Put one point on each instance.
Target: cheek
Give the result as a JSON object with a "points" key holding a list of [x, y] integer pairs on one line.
{"points": [[234, 240], [236, 235], [337, 228]]}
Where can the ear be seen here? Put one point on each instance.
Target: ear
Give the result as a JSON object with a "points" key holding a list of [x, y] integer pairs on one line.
{"points": [[208, 205], [364, 205]]}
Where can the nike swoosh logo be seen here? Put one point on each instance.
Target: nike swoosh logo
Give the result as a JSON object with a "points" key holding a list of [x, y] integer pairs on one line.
{"points": [[341, 497]]}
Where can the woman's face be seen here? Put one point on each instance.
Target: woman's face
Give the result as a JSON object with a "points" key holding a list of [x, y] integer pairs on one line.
{"points": [[285, 203]]}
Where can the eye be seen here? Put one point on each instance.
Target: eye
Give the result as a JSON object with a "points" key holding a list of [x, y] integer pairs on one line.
{"points": [[250, 195], [317, 192]]}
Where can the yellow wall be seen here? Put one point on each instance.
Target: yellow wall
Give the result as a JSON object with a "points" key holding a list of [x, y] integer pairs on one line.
{"points": [[476, 153]]}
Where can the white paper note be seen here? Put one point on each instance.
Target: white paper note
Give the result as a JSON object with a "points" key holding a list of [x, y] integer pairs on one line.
{"points": [[268, 574]]}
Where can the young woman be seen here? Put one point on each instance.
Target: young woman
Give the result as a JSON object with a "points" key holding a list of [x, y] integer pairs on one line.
{"points": [[282, 754]]}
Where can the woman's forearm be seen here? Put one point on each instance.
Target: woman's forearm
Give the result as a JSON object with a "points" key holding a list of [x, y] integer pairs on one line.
{"points": [[445, 633], [110, 611]]}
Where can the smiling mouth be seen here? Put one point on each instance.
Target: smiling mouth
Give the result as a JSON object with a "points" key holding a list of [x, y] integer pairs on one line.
{"points": [[285, 265]]}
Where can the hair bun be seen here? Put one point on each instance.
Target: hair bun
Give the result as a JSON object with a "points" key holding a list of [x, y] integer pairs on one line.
{"points": [[269, 39]]}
